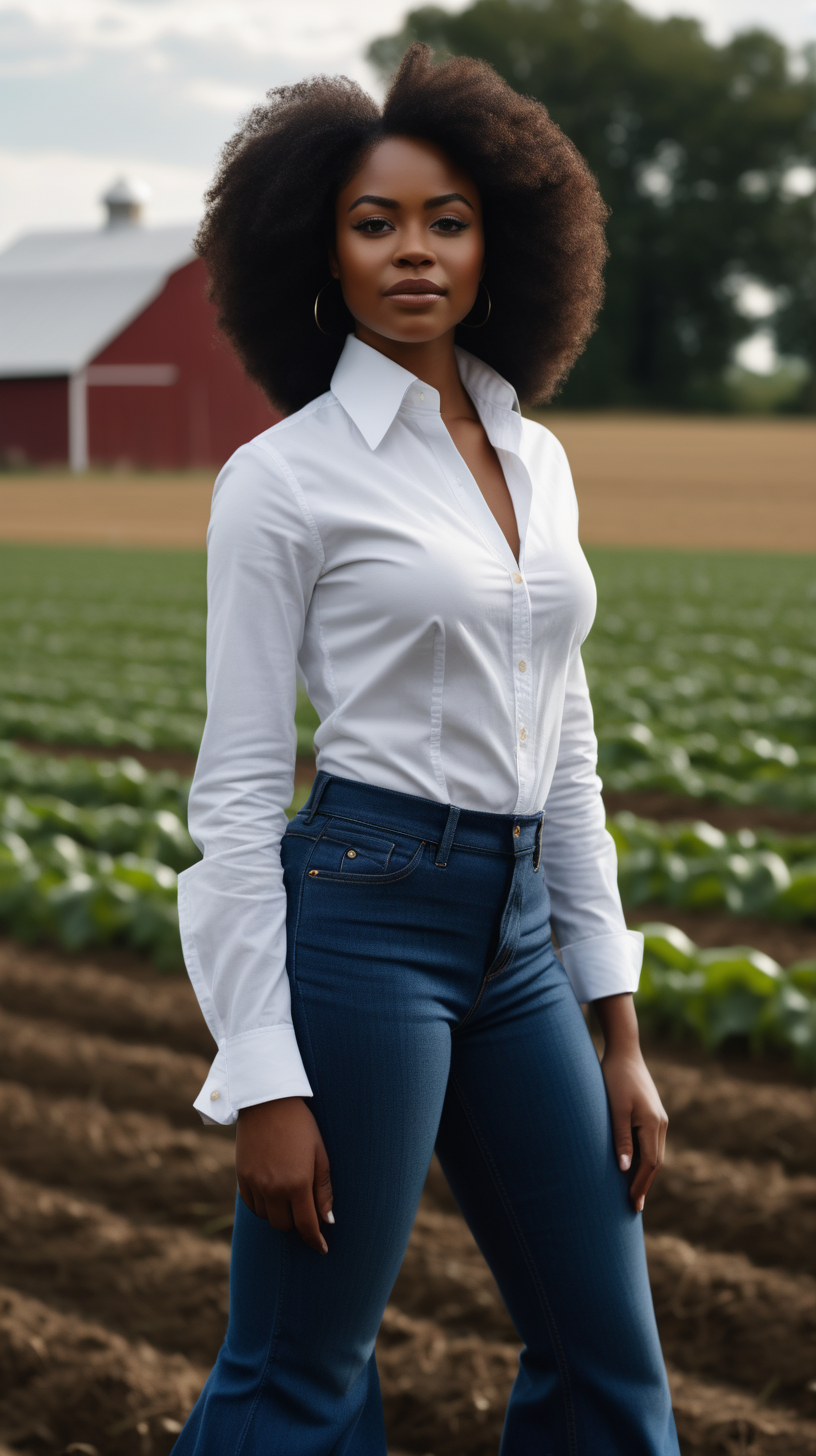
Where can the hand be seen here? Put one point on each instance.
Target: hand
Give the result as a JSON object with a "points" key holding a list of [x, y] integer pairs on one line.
{"points": [[282, 1168], [634, 1101]]}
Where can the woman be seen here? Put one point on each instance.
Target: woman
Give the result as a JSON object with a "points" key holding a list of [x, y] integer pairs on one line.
{"points": [[380, 978]]}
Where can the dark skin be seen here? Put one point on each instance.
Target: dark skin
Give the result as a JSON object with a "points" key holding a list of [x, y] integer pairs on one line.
{"points": [[409, 216]]}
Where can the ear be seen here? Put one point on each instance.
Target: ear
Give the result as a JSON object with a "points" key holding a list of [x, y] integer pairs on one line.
{"points": [[334, 266]]}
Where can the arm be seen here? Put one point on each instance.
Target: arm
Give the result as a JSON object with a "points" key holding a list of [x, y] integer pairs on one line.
{"points": [[264, 557], [601, 957]]}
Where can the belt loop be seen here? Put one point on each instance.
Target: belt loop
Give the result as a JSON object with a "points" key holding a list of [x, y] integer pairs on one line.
{"points": [[316, 795], [446, 844], [537, 847]]}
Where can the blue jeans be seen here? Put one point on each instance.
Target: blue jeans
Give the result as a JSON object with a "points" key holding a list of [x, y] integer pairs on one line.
{"points": [[431, 1011]]}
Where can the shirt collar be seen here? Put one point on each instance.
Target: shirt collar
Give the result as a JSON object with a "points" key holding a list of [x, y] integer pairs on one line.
{"points": [[372, 388]]}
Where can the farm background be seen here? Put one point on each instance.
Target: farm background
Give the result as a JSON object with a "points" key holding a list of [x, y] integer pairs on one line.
{"points": [[116, 1206]]}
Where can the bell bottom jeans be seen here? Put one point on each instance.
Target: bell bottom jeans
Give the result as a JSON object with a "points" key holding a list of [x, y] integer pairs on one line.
{"points": [[431, 1012]]}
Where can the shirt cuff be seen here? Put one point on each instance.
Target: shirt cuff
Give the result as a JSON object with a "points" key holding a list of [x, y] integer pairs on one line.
{"points": [[606, 965], [259, 1066]]}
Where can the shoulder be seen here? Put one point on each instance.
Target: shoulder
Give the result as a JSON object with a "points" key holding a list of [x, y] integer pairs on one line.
{"points": [[258, 493], [547, 461], [546, 445]]}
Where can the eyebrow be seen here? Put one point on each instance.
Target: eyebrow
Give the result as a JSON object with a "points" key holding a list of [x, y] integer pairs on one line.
{"points": [[392, 203]]}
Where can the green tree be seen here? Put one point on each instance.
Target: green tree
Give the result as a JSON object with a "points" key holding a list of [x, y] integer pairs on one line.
{"points": [[702, 152]]}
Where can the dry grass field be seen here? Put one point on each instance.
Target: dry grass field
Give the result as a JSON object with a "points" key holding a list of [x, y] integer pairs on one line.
{"points": [[731, 483]]}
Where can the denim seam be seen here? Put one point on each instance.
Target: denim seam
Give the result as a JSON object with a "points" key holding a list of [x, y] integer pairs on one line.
{"points": [[552, 1328], [293, 940], [270, 1352], [499, 964]]}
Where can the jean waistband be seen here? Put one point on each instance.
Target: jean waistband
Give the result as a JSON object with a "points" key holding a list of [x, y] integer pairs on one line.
{"points": [[441, 824]]}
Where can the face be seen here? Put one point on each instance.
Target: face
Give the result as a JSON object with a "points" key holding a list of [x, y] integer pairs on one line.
{"points": [[409, 248]]}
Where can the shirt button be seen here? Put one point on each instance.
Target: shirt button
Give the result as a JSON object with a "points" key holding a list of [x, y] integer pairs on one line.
{"points": [[522, 667], [523, 735], [422, 397], [214, 1096], [518, 578]]}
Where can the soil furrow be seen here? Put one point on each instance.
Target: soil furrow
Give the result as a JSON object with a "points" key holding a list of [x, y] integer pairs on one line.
{"points": [[140, 1006], [64, 1380], [737, 1206], [55, 1058], [732, 1205], [167, 1286], [709, 1107], [716, 1312], [720, 1316], [447, 1394], [133, 1163], [756, 1119]]}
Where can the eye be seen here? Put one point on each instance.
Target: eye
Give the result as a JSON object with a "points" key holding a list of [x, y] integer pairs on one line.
{"points": [[450, 224], [373, 226]]}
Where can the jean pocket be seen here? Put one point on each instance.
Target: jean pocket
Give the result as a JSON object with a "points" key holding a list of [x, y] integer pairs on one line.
{"points": [[356, 853]]}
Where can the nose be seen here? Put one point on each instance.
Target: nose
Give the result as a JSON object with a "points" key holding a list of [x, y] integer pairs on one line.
{"points": [[413, 253]]}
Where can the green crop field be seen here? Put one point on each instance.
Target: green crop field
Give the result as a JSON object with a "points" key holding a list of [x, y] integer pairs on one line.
{"points": [[90, 853], [702, 667], [703, 676]]}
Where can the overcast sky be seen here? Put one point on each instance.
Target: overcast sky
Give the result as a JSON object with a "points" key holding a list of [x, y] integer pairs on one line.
{"points": [[93, 88]]}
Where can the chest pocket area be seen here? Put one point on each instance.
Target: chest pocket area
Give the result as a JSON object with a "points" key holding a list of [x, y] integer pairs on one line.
{"points": [[354, 852]]}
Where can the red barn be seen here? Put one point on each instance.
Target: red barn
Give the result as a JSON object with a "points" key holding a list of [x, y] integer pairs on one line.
{"points": [[109, 354]]}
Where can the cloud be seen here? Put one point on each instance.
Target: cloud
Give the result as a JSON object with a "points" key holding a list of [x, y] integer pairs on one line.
{"points": [[160, 84]]}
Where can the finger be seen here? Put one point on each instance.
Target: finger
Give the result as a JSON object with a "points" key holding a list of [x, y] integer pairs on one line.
{"points": [[323, 1195], [648, 1163], [664, 1127], [246, 1195], [306, 1220], [623, 1139], [277, 1211]]}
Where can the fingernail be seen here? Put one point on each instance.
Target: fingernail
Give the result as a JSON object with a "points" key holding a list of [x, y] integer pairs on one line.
{"points": [[324, 1245], [640, 1203], [626, 1161], [329, 1217]]}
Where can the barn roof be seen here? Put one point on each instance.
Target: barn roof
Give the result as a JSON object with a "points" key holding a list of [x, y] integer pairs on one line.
{"points": [[64, 296]]}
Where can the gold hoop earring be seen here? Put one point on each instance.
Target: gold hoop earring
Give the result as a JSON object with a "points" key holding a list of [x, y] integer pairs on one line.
{"points": [[487, 315], [316, 302]]}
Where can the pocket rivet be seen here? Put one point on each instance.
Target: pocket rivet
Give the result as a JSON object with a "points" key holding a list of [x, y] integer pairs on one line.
{"points": [[516, 830], [351, 854], [312, 873]]}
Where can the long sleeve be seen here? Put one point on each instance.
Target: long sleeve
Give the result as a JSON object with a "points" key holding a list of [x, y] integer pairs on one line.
{"points": [[264, 557], [601, 957]]}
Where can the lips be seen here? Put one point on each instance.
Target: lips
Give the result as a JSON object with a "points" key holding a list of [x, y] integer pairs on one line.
{"points": [[414, 285]]}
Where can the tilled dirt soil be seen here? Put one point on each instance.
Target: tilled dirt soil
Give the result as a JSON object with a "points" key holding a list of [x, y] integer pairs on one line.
{"points": [[116, 1205]]}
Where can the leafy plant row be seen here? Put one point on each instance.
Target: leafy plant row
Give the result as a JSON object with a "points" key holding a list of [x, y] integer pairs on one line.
{"points": [[733, 992], [56, 890], [702, 666], [745, 768], [118, 807], [697, 867]]}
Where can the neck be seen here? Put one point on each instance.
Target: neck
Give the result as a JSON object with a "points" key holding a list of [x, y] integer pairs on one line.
{"points": [[433, 361]]}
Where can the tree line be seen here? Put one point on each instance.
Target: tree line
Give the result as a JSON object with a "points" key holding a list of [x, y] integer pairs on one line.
{"points": [[705, 154]]}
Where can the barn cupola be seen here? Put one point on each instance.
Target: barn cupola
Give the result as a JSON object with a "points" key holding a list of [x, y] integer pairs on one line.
{"points": [[125, 201]]}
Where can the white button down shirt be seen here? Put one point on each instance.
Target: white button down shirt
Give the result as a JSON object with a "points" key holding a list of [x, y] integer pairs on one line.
{"points": [[351, 540]]}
